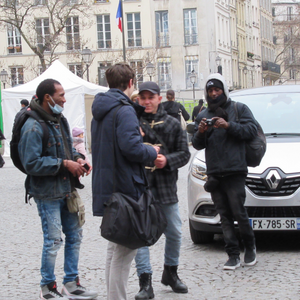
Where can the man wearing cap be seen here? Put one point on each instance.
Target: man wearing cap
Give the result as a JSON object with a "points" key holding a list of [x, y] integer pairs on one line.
{"points": [[158, 128], [224, 143]]}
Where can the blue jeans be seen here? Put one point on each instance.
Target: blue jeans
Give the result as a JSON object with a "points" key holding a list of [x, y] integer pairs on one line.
{"points": [[229, 198], [172, 245], [55, 218]]}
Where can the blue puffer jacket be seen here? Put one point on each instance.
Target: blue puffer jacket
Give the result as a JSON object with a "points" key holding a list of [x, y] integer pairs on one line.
{"points": [[130, 152], [47, 179]]}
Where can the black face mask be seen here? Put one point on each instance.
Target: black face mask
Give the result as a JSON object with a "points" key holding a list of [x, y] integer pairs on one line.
{"points": [[213, 104]]}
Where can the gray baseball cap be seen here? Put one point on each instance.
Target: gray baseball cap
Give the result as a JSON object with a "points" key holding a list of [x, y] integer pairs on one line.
{"points": [[149, 86]]}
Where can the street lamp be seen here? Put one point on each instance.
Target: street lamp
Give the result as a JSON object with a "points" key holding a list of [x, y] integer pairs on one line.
{"points": [[150, 69], [218, 63], [87, 58], [193, 78], [3, 77]]}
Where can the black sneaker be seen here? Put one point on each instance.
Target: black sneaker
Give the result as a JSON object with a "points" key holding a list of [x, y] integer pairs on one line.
{"points": [[49, 291], [250, 257], [232, 263]]}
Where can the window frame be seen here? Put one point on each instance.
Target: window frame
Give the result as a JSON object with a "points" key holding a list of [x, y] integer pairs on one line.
{"points": [[14, 41], [162, 28], [107, 43], [75, 35], [16, 77], [136, 32], [190, 38]]}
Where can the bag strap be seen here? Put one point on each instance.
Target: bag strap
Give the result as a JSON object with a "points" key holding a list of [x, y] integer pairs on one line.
{"points": [[35, 115], [237, 118], [155, 134]]}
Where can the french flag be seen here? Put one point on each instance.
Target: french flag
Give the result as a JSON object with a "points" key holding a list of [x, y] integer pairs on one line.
{"points": [[119, 16]]}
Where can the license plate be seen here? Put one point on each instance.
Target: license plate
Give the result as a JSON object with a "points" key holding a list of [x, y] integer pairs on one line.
{"points": [[275, 224]]}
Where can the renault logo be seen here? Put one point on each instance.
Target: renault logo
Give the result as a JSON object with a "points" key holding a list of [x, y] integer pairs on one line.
{"points": [[273, 178]]}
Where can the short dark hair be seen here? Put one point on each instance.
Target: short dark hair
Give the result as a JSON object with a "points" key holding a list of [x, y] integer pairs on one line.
{"points": [[24, 102], [170, 94], [119, 75], [47, 86]]}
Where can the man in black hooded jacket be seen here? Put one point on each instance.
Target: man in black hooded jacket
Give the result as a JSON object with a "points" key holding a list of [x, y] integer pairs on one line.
{"points": [[224, 140]]}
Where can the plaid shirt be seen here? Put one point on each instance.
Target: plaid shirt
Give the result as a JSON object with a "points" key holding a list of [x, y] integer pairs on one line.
{"points": [[164, 181]]}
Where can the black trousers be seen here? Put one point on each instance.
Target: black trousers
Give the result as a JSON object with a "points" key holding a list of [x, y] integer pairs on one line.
{"points": [[2, 162], [229, 199]]}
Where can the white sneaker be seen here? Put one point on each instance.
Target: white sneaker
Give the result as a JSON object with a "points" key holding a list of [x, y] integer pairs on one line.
{"points": [[49, 291], [73, 290]]}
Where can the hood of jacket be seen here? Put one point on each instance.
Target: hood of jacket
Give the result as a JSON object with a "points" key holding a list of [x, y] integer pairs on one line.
{"points": [[218, 77], [105, 102]]}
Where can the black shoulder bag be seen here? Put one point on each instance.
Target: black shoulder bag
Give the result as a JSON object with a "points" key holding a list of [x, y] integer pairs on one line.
{"points": [[256, 147], [129, 222]]}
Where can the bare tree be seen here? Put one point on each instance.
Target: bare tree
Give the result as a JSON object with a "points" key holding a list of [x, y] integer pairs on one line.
{"points": [[42, 25], [287, 38]]}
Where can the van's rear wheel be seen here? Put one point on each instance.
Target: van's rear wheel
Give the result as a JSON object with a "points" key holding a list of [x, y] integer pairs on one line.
{"points": [[200, 237]]}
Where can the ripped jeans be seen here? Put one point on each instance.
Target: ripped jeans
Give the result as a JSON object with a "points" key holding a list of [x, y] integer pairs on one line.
{"points": [[55, 219]]}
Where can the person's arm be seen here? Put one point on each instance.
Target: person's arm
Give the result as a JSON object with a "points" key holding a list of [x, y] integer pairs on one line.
{"points": [[185, 114], [180, 154], [129, 137], [246, 129], [198, 139]]}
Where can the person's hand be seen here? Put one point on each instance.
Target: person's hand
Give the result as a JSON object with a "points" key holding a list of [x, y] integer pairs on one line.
{"points": [[142, 132], [161, 161], [83, 162], [74, 167], [157, 149], [202, 126], [220, 123]]}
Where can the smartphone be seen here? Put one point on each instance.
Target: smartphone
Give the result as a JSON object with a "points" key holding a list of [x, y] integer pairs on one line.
{"points": [[86, 166]]}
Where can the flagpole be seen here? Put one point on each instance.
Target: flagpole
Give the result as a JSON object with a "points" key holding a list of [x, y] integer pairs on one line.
{"points": [[123, 34]]}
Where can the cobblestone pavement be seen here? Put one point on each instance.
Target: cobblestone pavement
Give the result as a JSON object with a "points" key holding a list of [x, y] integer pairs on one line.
{"points": [[276, 276]]}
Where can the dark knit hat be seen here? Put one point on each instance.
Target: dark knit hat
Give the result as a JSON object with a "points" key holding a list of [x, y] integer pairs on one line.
{"points": [[214, 83]]}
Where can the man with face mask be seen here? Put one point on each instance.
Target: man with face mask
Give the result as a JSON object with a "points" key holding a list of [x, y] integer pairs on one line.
{"points": [[52, 174], [224, 141]]}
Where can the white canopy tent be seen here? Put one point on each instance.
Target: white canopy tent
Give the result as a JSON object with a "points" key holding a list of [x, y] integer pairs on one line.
{"points": [[74, 109]]}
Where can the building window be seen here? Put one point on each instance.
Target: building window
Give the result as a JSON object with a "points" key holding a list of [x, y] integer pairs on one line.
{"points": [[17, 76], [191, 65], [14, 40], [190, 26], [40, 2], [101, 73], [134, 30], [162, 28], [43, 34], [137, 66], [164, 75], [72, 32], [71, 1], [12, 3], [76, 69], [103, 31], [289, 13]]}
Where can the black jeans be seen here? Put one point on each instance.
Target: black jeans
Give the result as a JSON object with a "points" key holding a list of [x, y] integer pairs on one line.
{"points": [[229, 199], [2, 162]]}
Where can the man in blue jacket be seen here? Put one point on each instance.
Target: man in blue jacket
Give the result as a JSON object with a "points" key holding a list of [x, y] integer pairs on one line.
{"points": [[224, 141], [124, 149], [51, 181]]}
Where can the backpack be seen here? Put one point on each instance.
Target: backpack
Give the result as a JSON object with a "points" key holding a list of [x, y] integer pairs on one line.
{"points": [[16, 135], [255, 148]]}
